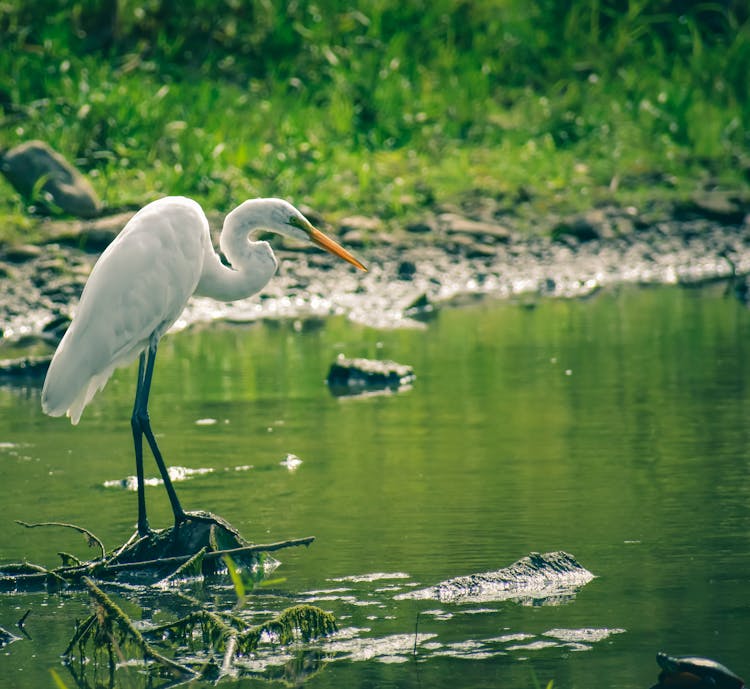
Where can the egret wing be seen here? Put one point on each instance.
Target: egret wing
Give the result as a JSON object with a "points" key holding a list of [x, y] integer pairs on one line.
{"points": [[137, 289]]}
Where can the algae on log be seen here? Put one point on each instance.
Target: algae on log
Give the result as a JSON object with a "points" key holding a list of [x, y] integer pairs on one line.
{"points": [[109, 629]]}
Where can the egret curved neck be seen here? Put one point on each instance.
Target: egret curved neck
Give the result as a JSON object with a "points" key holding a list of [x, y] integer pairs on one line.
{"points": [[252, 264]]}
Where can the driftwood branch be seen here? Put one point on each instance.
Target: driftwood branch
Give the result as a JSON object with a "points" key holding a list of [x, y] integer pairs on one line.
{"points": [[16, 574], [210, 555], [92, 538]]}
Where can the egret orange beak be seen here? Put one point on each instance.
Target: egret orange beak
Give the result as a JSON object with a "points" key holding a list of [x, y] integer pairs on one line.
{"points": [[325, 242]]}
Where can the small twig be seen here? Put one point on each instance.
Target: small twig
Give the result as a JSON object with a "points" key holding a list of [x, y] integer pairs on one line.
{"points": [[92, 538]]}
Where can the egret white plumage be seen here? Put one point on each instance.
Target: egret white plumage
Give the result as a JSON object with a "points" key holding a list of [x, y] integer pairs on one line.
{"points": [[140, 286]]}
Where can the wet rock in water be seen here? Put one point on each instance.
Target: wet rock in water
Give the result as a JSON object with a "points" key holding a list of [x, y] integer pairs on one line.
{"points": [[7, 638], [24, 368], [355, 376], [551, 578], [62, 186]]}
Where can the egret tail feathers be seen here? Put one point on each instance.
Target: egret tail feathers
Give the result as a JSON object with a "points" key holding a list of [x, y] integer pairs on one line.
{"points": [[68, 392], [73, 380]]}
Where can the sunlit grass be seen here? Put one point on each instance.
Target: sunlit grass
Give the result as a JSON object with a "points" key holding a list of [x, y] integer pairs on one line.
{"points": [[385, 109]]}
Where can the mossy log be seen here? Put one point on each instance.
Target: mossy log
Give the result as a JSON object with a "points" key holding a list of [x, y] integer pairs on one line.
{"points": [[109, 629]]}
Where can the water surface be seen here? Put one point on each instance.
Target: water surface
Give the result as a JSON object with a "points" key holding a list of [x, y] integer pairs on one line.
{"points": [[613, 428]]}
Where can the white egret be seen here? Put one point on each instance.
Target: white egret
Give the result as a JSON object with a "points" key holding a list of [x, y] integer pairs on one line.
{"points": [[140, 286]]}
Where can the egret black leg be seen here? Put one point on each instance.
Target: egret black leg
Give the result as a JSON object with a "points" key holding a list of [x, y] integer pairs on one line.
{"points": [[145, 427], [143, 527]]}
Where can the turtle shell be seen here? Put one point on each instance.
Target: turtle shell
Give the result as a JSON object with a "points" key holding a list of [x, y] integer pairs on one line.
{"points": [[696, 671]]}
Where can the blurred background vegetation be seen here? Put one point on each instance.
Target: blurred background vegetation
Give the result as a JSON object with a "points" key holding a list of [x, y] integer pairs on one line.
{"points": [[382, 106]]}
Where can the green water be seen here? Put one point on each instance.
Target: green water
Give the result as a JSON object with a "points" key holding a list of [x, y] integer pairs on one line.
{"points": [[615, 429]]}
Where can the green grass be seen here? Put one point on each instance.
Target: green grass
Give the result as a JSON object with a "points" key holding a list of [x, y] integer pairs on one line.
{"points": [[384, 109]]}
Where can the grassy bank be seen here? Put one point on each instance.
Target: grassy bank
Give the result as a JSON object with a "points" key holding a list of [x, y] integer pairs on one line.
{"points": [[385, 108]]}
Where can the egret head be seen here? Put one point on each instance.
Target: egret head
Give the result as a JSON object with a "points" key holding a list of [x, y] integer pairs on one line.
{"points": [[277, 215]]}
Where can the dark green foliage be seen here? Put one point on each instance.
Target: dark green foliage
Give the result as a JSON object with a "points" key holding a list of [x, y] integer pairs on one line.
{"points": [[379, 105]]}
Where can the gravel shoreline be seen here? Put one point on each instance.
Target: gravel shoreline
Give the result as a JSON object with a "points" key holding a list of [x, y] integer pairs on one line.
{"points": [[448, 257]]}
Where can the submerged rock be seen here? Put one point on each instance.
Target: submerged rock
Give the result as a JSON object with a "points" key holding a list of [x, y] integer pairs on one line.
{"points": [[354, 376], [34, 167], [551, 578]]}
